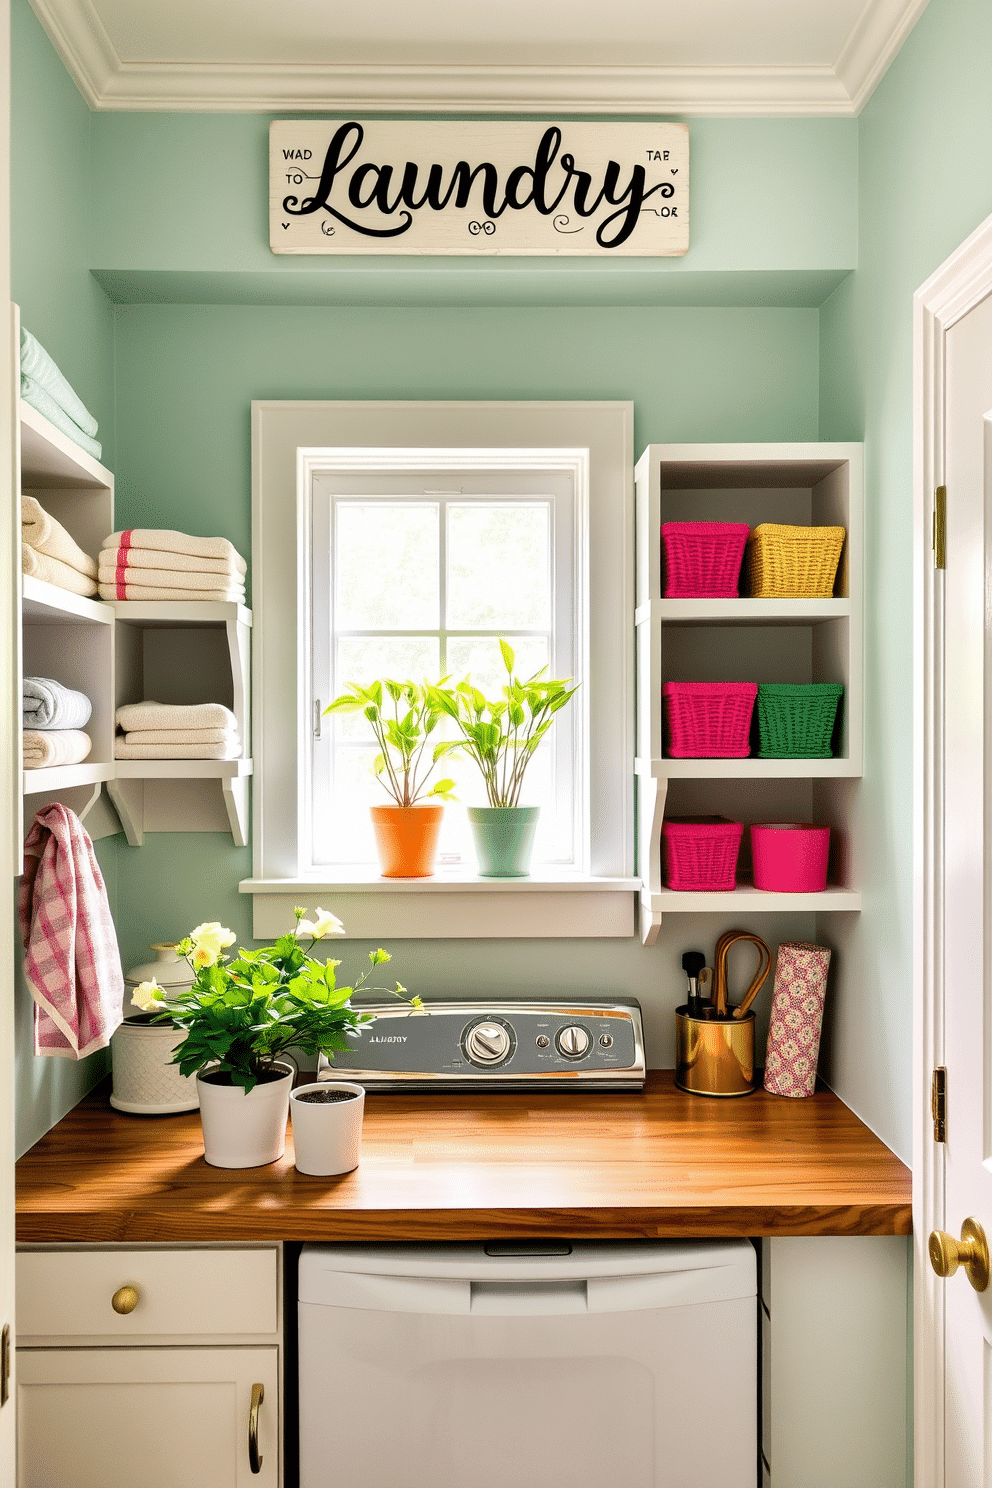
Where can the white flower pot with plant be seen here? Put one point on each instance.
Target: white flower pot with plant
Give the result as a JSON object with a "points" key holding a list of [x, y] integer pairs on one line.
{"points": [[241, 1015], [327, 1126], [502, 736], [406, 833]]}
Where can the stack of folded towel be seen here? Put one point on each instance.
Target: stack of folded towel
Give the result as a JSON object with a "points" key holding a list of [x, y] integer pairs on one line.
{"points": [[53, 718], [145, 563], [172, 731], [44, 387], [49, 553]]}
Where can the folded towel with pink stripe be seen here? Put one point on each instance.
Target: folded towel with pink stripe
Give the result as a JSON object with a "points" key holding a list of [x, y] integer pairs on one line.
{"points": [[177, 731], [72, 964], [145, 563]]}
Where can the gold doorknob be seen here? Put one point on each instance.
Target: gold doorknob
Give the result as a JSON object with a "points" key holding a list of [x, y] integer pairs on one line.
{"points": [[125, 1299], [971, 1252]]}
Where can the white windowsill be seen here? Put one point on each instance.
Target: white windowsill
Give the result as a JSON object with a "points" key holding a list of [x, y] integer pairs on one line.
{"points": [[452, 905]]}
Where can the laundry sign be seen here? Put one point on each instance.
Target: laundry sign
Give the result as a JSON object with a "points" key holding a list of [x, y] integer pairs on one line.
{"points": [[446, 187]]}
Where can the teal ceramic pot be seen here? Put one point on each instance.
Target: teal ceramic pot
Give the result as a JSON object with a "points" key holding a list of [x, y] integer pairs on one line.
{"points": [[504, 838]]}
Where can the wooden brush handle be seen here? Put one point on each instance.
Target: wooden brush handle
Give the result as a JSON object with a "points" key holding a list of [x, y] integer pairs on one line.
{"points": [[720, 958]]}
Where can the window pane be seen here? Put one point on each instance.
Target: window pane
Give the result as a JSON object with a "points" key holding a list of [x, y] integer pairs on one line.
{"points": [[499, 574], [482, 657], [365, 659], [386, 573]]}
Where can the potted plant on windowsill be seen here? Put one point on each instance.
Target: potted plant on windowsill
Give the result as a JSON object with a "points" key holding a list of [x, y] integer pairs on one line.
{"points": [[502, 736], [406, 833], [241, 1014]]}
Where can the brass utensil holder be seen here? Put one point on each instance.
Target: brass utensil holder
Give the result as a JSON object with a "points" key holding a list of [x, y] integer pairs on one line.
{"points": [[714, 1056]]}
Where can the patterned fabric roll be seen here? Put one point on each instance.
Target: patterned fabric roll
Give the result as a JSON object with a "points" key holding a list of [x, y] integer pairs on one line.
{"points": [[797, 1014]]}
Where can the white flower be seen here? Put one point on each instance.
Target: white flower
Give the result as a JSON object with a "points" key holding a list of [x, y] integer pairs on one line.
{"points": [[208, 940], [324, 923], [148, 996]]}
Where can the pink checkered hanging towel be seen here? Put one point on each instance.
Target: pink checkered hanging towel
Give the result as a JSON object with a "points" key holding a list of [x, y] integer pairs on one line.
{"points": [[71, 960], [797, 1015]]}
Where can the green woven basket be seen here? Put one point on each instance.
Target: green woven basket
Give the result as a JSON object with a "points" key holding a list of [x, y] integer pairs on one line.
{"points": [[796, 719]]}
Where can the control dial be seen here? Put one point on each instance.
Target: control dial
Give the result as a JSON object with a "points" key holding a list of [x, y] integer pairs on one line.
{"points": [[487, 1042], [573, 1041]]}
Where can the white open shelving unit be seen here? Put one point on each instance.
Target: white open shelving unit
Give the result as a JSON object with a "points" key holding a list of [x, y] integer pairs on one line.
{"points": [[753, 640], [174, 651]]}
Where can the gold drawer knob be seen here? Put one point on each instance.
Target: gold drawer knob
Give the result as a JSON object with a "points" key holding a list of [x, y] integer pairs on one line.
{"points": [[124, 1300], [971, 1252]]}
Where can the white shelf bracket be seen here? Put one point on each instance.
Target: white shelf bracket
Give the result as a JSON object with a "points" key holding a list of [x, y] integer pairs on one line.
{"points": [[236, 802], [652, 793], [128, 797]]}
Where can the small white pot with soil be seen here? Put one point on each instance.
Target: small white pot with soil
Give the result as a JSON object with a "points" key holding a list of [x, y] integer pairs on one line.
{"points": [[327, 1127], [244, 1131]]}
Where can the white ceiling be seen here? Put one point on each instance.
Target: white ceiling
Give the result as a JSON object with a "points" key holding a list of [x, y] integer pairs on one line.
{"points": [[657, 56]]}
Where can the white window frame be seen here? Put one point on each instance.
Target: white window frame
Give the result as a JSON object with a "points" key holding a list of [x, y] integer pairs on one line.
{"points": [[288, 440]]}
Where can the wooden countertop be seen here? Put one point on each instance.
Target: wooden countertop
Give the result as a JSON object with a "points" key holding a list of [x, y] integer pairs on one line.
{"points": [[470, 1166]]}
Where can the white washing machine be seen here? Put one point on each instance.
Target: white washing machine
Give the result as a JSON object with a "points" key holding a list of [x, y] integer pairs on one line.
{"points": [[543, 1365]]}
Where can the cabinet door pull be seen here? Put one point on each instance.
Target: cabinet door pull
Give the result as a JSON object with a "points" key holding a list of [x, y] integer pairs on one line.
{"points": [[254, 1456]]}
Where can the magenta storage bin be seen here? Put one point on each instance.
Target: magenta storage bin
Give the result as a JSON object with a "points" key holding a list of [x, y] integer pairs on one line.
{"points": [[708, 720], [701, 852], [790, 857], [702, 560]]}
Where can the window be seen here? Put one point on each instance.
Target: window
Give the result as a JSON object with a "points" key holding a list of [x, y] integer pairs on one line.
{"points": [[405, 538], [417, 573]]}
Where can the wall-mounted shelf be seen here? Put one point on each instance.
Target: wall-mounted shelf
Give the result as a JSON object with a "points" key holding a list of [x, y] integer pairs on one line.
{"points": [[115, 652], [745, 639]]}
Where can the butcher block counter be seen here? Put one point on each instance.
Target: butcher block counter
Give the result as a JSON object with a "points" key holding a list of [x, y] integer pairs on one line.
{"points": [[469, 1166]]}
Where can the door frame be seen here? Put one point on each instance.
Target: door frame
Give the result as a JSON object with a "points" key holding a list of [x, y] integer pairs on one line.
{"points": [[960, 283]]}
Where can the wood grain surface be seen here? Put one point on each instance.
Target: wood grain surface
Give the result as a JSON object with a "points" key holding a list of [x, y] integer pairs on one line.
{"points": [[472, 1166]]}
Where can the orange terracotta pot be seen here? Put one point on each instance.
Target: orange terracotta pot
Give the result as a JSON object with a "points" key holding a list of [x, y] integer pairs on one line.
{"points": [[406, 838]]}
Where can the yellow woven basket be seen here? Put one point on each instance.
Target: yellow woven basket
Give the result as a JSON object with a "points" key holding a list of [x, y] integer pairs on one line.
{"points": [[792, 562]]}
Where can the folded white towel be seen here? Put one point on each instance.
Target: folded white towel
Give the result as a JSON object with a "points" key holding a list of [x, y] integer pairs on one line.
{"points": [[164, 578], [41, 531], [46, 747], [152, 715], [116, 557], [229, 595], [125, 751], [46, 704], [182, 736], [51, 571], [177, 542]]}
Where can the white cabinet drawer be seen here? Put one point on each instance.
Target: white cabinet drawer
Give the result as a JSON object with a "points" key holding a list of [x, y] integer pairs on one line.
{"points": [[183, 1293]]}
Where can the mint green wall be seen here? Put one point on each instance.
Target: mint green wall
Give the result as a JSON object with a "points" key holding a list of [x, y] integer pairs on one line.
{"points": [[70, 314], [925, 184], [51, 177], [185, 379]]}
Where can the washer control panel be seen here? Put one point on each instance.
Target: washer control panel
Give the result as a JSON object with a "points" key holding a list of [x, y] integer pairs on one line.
{"points": [[523, 1045]]}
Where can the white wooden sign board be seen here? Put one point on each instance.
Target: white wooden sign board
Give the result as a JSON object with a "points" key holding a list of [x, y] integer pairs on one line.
{"points": [[445, 187]]}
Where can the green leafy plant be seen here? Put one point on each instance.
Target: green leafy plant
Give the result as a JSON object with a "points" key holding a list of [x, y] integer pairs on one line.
{"points": [[241, 1014], [502, 734], [403, 715]]}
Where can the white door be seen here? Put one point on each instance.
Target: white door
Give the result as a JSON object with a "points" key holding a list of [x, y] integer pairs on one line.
{"points": [[147, 1418], [967, 874]]}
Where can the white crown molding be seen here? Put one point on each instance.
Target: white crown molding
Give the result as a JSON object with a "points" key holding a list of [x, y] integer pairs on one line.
{"points": [[108, 82], [79, 37], [872, 45]]}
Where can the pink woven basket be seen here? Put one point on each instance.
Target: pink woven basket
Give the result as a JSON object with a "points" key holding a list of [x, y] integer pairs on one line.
{"points": [[708, 720], [702, 560], [701, 852]]}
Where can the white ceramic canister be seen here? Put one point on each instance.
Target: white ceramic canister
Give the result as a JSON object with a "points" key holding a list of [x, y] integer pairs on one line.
{"points": [[327, 1136], [146, 1082], [244, 1131]]}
